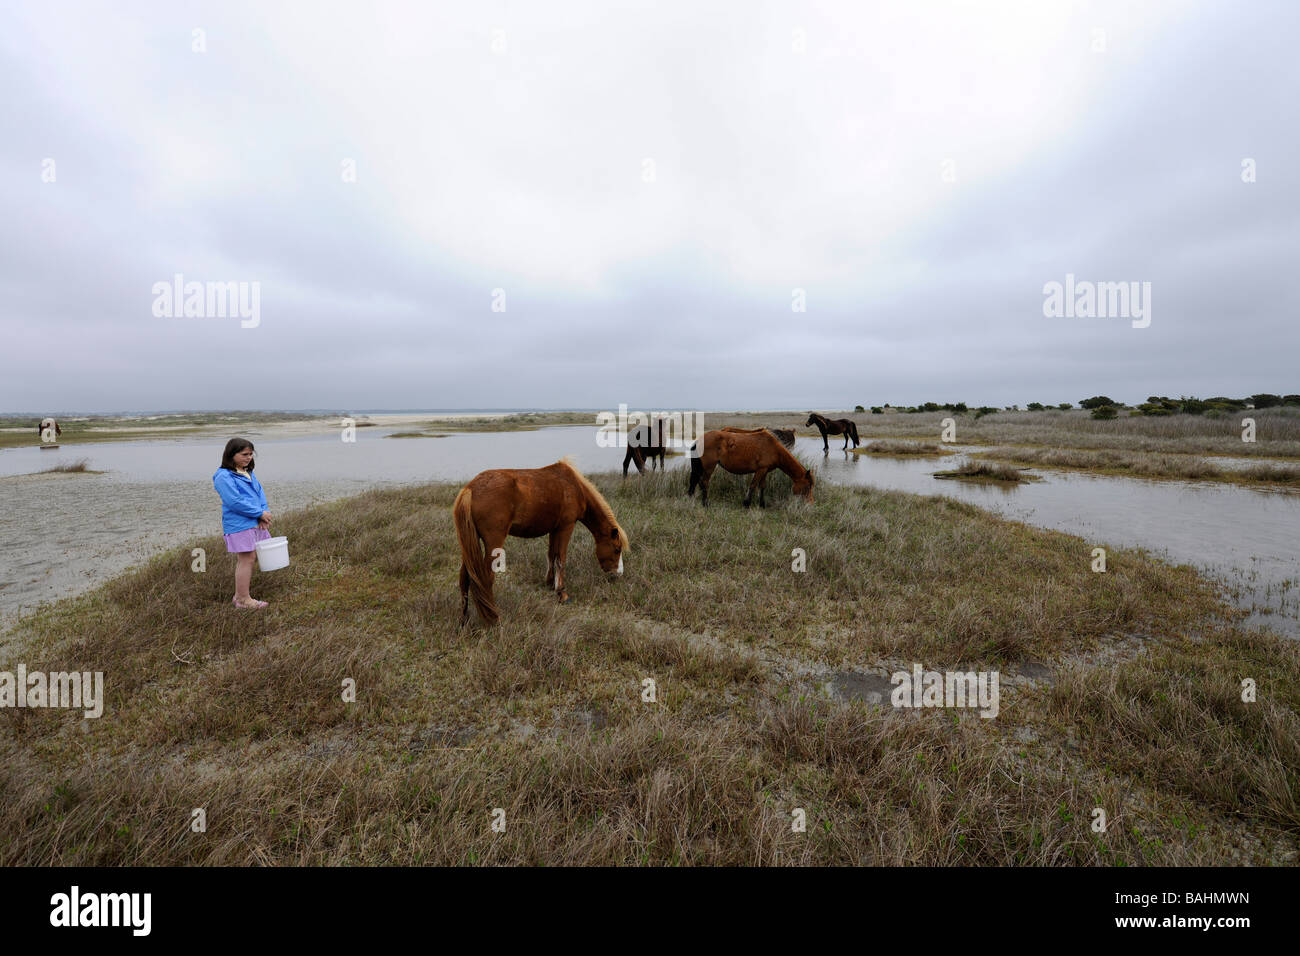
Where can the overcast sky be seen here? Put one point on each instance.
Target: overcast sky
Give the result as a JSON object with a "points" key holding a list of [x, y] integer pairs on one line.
{"points": [[919, 170]]}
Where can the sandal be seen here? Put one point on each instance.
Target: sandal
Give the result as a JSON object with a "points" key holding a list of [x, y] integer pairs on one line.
{"points": [[255, 606]]}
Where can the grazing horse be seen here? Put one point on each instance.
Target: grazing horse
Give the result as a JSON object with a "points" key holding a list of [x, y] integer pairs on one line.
{"points": [[528, 503], [746, 452], [49, 430], [645, 441], [834, 426]]}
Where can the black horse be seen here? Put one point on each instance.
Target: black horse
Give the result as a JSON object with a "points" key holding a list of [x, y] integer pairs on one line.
{"points": [[641, 445], [834, 426]]}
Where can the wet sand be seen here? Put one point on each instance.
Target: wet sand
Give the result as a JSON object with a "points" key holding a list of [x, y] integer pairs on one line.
{"points": [[149, 427], [64, 534]]}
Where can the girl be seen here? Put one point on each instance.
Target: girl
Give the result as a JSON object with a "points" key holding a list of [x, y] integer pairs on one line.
{"points": [[244, 518]]}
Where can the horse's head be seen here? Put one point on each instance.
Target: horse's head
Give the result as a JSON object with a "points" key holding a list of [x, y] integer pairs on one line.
{"points": [[812, 420], [804, 486], [609, 550]]}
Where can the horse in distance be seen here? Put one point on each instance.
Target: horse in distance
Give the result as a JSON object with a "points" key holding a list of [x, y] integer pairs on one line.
{"points": [[834, 426]]}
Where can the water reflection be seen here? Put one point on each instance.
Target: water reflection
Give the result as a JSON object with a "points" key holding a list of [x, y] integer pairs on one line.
{"points": [[1245, 537]]}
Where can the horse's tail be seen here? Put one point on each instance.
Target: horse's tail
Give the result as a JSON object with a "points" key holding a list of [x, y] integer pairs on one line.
{"points": [[697, 470], [471, 554], [853, 431]]}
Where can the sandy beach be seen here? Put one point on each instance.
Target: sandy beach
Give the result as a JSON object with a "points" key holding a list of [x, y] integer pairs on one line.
{"points": [[118, 525]]}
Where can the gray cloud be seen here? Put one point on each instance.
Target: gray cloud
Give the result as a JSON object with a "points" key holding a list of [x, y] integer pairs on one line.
{"points": [[523, 170]]}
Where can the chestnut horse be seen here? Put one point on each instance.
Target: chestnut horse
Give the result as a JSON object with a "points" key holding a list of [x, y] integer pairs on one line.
{"points": [[743, 451], [834, 426], [784, 435], [528, 503]]}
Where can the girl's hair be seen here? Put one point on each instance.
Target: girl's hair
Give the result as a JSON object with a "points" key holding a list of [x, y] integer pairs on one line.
{"points": [[233, 448]]}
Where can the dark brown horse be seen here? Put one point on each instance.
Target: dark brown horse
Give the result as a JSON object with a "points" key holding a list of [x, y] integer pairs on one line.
{"points": [[834, 426], [786, 435], [49, 430], [645, 441], [746, 452], [528, 503]]}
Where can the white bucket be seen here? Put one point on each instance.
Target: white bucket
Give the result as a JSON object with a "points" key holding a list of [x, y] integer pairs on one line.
{"points": [[272, 554]]}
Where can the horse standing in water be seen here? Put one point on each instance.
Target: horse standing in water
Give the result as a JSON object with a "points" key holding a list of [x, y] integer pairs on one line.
{"points": [[834, 426], [49, 430], [528, 503], [744, 451]]}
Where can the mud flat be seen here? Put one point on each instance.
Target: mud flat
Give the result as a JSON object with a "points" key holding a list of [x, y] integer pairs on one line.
{"points": [[67, 533]]}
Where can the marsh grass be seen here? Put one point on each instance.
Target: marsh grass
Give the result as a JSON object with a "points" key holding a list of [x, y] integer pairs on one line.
{"points": [[1148, 465], [80, 466], [1277, 431], [521, 421], [543, 717], [903, 449], [986, 471], [19, 431]]}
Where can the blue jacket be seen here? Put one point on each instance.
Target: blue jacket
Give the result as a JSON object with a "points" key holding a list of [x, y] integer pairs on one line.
{"points": [[242, 500]]}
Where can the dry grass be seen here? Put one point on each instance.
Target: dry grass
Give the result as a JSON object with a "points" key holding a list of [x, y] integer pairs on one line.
{"points": [[1147, 465], [1277, 431], [240, 713], [905, 449], [80, 466], [21, 430], [518, 422], [985, 471]]}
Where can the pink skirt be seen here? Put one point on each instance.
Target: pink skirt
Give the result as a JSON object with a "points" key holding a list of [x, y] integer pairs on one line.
{"points": [[242, 541]]}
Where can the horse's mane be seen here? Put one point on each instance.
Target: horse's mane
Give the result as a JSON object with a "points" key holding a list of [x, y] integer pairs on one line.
{"points": [[596, 500], [784, 454]]}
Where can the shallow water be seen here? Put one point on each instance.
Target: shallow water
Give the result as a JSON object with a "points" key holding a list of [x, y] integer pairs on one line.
{"points": [[1244, 538], [63, 534]]}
